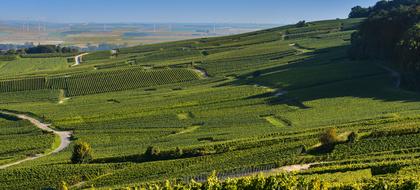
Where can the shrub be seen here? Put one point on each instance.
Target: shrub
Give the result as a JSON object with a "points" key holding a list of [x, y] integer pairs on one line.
{"points": [[352, 138], [82, 153], [329, 137], [178, 153], [152, 152]]}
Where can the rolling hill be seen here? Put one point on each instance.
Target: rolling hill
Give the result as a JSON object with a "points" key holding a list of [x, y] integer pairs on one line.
{"points": [[240, 105]]}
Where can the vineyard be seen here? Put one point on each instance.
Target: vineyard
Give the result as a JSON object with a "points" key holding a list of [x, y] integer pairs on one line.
{"points": [[99, 82], [31, 66], [240, 105], [19, 139]]}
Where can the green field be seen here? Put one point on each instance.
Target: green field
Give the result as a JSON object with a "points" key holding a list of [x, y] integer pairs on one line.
{"points": [[248, 101]]}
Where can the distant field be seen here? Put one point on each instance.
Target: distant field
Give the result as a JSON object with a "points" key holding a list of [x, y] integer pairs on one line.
{"points": [[94, 33], [236, 103]]}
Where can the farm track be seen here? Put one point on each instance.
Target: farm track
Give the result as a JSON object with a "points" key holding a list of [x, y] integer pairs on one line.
{"points": [[64, 138], [78, 58], [202, 72], [299, 49], [271, 171]]}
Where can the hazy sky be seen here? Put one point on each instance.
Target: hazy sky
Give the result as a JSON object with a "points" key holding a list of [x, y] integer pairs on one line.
{"points": [[181, 11]]}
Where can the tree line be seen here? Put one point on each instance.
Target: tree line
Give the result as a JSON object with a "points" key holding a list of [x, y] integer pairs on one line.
{"points": [[40, 49], [391, 31]]}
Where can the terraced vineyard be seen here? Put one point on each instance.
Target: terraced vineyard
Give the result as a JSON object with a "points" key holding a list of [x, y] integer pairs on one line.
{"points": [[240, 105]]}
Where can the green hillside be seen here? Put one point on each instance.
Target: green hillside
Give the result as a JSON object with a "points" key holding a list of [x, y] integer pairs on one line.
{"points": [[240, 105]]}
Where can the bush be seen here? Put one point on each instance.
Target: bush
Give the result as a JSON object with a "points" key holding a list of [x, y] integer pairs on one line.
{"points": [[329, 137], [178, 153], [152, 152], [205, 53], [82, 153]]}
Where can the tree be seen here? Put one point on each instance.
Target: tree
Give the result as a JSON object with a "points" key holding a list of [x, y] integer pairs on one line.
{"points": [[42, 49], [408, 50], [359, 12], [82, 153], [300, 24], [205, 53], [329, 137], [391, 33], [50, 49]]}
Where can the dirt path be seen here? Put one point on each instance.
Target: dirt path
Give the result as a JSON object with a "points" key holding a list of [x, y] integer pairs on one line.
{"points": [[294, 168], [298, 48], [64, 138], [78, 59]]}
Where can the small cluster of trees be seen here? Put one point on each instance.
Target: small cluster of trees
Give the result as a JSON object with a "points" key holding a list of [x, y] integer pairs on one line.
{"points": [[359, 12], [50, 49], [301, 24]]}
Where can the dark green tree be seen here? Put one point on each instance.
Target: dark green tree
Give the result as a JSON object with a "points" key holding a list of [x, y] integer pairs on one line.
{"points": [[359, 12], [301, 23]]}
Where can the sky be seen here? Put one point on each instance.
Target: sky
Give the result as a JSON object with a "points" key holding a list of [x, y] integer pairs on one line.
{"points": [[178, 11]]}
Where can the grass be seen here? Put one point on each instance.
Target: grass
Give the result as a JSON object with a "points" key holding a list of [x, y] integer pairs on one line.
{"points": [[274, 121], [233, 117]]}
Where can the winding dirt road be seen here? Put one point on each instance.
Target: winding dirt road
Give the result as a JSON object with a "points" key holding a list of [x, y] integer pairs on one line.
{"points": [[64, 138]]}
